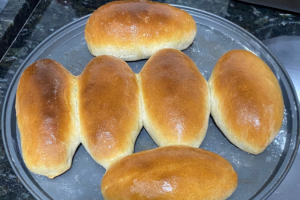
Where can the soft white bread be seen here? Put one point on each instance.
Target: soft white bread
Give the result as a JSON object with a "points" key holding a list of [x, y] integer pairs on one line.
{"points": [[136, 29], [46, 114], [109, 109], [246, 100], [175, 99], [173, 172]]}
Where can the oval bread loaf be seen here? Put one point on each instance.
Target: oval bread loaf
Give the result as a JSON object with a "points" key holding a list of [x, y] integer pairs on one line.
{"points": [[136, 29], [46, 115], [175, 99], [109, 109], [246, 100], [173, 172]]}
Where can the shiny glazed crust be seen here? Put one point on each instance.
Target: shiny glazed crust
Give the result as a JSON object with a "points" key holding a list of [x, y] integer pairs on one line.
{"points": [[109, 109], [246, 100], [46, 115], [175, 99], [173, 172], [133, 30]]}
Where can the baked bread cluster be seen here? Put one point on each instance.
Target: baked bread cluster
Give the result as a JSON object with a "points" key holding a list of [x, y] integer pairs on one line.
{"points": [[106, 106], [56, 111]]}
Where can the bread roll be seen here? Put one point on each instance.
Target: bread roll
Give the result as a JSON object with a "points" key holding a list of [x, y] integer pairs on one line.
{"points": [[246, 100], [136, 29], [175, 99], [46, 114], [173, 172], [109, 109]]}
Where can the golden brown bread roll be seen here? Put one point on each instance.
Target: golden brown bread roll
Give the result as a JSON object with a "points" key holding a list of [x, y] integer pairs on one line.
{"points": [[246, 100], [175, 99], [109, 109], [46, 114], [136, 29], [173, 172]]}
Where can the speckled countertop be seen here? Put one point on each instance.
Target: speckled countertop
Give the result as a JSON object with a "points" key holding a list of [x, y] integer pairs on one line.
{"points": [[45, 17]]}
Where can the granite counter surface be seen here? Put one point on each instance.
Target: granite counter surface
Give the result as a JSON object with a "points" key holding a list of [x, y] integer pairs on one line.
{"points": [[50, 15]]}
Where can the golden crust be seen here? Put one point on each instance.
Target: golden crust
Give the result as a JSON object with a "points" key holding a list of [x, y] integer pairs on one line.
{"points": [[46, 114], [133, 30], [173, 172], [175, 99], [246, 100], [109, 109]]}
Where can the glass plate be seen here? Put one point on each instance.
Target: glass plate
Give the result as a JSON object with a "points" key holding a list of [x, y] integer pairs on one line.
{"points": [[258, 175]]}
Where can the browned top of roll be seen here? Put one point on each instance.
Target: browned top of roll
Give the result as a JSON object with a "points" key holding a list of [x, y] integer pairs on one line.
{"points": [[124, 23], [249, 100], [108, 102], [176, 99], [44, 113], [173, 172]]}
